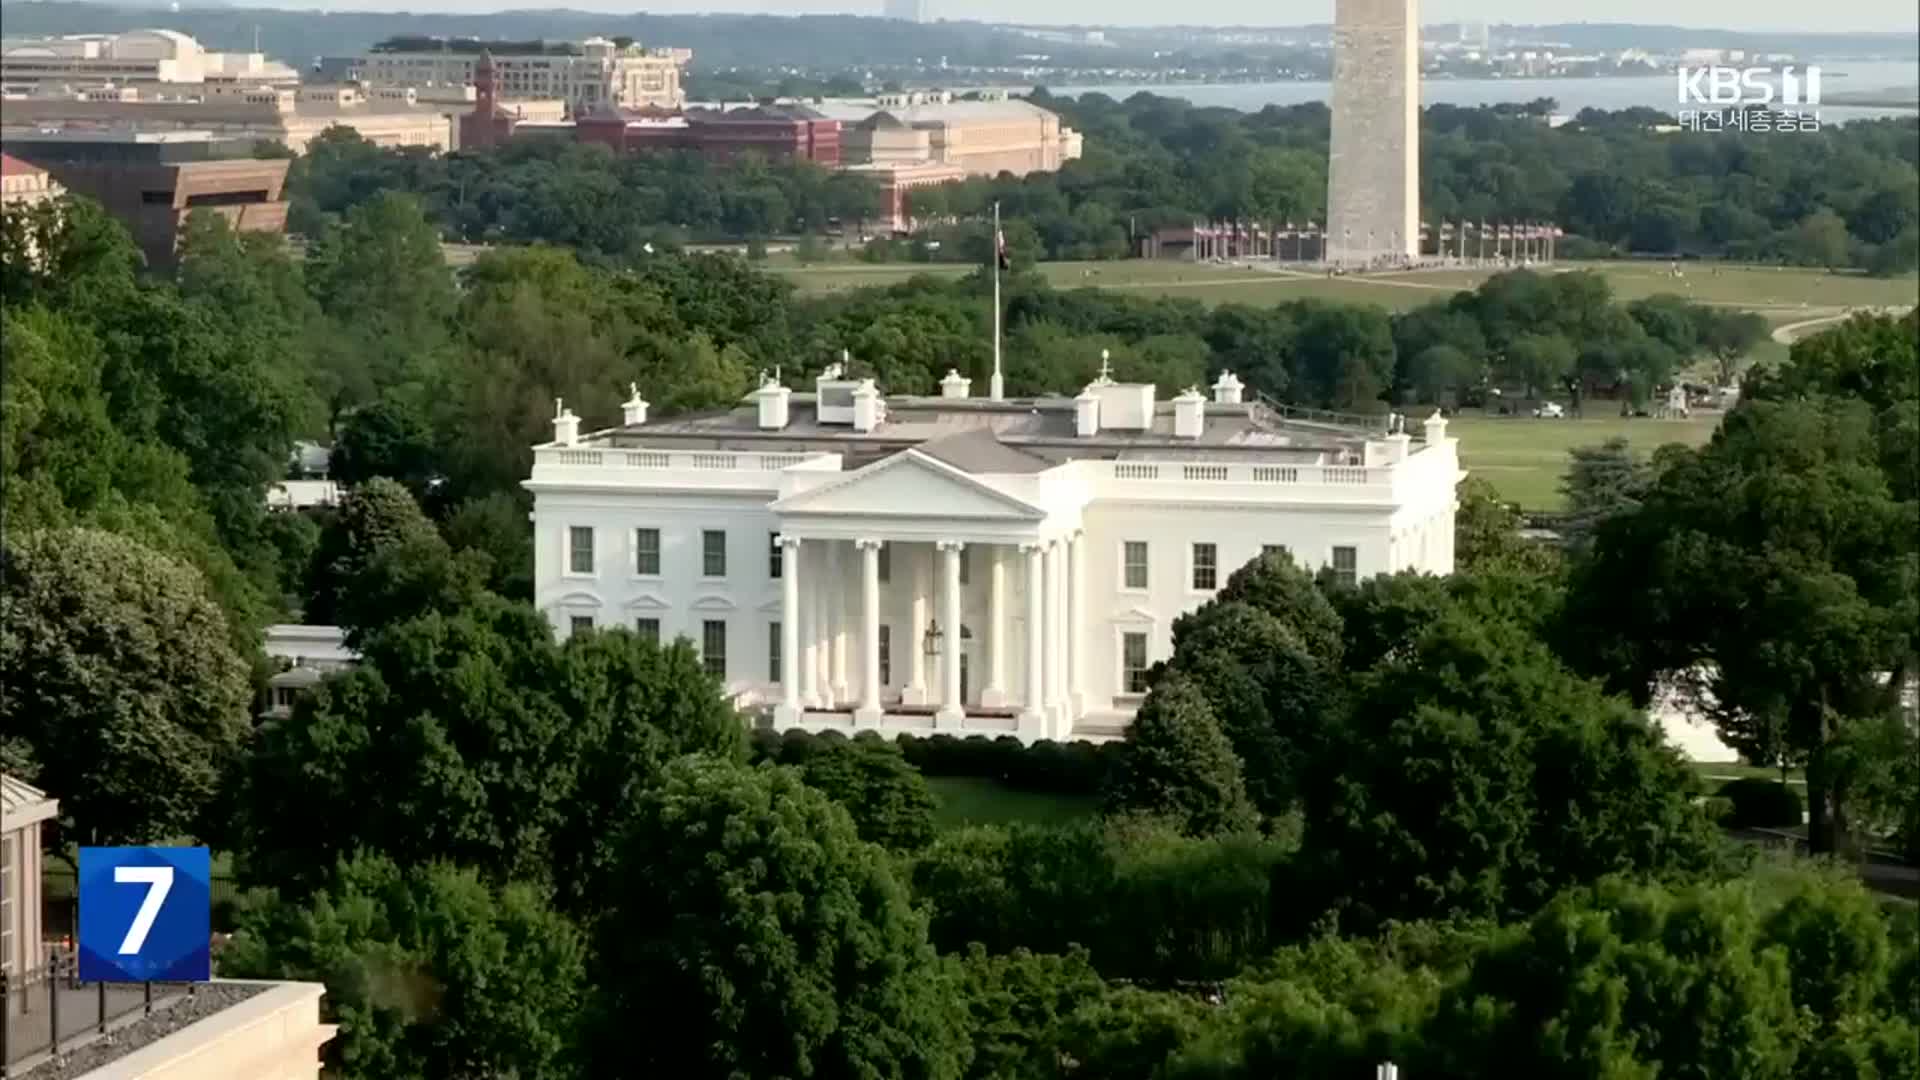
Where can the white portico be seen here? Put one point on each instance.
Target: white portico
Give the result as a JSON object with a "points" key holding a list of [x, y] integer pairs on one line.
{"points": [[951, 564]]}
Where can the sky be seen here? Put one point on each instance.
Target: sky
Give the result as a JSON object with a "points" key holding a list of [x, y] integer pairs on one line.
{"points": [[1757, 15]]}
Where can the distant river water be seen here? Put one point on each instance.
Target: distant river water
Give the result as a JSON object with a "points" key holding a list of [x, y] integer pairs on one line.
{"points": [[1623, 92]]}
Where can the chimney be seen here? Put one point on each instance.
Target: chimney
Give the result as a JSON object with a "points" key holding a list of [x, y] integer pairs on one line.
{"points": [[566, 426], [954, 385], [634, 411], [1436, 428], [1189, 414], [867, 407], [1227, 390], [1086, 414], [772, 399]]}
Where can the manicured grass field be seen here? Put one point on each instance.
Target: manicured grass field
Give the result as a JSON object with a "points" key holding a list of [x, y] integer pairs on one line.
{"points": [[1784, 294], [969, 800], [1524, 458], [1717, 773]]}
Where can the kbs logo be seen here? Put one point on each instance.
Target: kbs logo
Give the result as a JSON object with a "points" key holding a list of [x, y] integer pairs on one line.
{"points": [[1749, 99], [1738, 87]]}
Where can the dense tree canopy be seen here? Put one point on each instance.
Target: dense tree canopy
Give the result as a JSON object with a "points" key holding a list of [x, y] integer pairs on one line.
{"points": [[430, 972], [125, 697], [765, 938]]}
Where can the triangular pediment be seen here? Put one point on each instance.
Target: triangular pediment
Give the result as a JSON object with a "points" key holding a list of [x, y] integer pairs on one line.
{"points": [[647, 602], [911, 484]]}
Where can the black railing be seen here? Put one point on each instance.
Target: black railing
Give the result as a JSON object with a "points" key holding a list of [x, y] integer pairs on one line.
{"points": [[1371, 424], [48, 1010]]}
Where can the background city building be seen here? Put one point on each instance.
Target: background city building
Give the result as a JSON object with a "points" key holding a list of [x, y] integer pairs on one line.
{"points": [[587, 75], [909, 10], [25, 184], [138, 58], [151, 181]]}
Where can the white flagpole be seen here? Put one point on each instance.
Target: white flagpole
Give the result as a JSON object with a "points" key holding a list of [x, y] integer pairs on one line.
{"points": [[997, 388]]}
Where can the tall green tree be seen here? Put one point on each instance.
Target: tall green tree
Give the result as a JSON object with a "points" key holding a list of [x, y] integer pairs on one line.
{"points": [[429, 971], [126, 699], [1179, 765], [1783, 558], [766, 938]]}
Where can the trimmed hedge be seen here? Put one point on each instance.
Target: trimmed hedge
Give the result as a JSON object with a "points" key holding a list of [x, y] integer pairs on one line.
{"points": [[1046, 767], [1758, 803]]}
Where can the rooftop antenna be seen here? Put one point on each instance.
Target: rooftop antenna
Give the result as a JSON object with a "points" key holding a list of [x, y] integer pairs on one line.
{"points": [[1106, 369]]}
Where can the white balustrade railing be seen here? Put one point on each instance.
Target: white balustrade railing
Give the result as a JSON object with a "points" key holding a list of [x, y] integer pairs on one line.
{"points": [[703, 461], [1265, 475]]}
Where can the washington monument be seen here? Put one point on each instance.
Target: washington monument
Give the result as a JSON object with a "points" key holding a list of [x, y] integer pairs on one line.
{"points": [[1373, 168]]}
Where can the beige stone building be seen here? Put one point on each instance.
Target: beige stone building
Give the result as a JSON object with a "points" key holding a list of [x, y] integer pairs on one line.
{"points": [[135, 58], [291, 117], [980, 137], [23, 184], [592, 74]]}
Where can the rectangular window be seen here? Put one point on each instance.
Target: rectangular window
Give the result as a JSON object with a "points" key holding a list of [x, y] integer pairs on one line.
{"points": [[648, 629], [713, 553], [1273, 549], [646, 552], [1346, 565], [580, 549], [773, 556], [580, 624], [713, 647], [886, 563], [775, 669], [1136, 564], [1206, 567], [966, 566], [1133, 663], [886, 653]]}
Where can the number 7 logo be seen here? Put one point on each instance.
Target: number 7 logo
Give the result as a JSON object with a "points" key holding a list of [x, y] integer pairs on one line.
{"points": [[145, 914], [159, 882]]}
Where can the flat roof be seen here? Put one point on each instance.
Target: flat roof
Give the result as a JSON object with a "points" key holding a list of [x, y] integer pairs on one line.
{"points": [[1042, 429]]}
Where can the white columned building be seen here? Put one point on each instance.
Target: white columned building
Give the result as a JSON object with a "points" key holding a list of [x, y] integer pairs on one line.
{"points": [[844, 561]]}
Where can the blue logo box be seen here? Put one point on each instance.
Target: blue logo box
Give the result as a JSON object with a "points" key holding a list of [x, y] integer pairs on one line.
{"points": [[145, 914]]}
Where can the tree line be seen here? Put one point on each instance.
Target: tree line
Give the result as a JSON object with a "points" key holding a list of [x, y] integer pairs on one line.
{"points": [[1619, 182]]}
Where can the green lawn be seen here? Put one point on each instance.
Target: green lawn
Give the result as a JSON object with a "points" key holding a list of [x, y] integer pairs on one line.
{"points": [[970, 800], [1717, 773], [1524, 458], [1783, 294]]}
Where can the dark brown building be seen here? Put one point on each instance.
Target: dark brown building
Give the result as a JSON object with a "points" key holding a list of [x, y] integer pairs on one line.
{"points": [[152, 191]]}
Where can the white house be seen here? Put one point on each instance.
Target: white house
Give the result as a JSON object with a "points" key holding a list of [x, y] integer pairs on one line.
{"points": [[960, 564], [306, 654]]}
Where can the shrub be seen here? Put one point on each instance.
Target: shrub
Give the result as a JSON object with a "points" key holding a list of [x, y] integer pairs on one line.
{"points": [[1758, 803]]}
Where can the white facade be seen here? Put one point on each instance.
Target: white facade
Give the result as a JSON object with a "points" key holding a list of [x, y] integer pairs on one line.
{"points": [[821, 549]]}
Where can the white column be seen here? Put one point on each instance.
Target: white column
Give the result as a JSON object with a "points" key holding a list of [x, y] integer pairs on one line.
{"points": [[869, 711], [952, 710], [788, 712], [822, 625], [1032, 712], [994, 694], [1051, 645], [837, 632], [1076, 640], [908, 558], [809, 627]]}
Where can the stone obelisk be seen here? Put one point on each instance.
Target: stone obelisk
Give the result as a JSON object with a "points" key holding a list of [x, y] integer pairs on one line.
{"points": [[1373, 167]]}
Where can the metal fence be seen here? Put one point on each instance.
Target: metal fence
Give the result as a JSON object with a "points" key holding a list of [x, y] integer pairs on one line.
{"points": [[48, 1009], [60, 909]]}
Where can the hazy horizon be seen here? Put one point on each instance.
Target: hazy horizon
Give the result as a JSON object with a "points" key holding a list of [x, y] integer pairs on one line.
{"points": [[1754, 16]]}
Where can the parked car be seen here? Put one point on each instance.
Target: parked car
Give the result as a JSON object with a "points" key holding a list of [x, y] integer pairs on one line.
{"points": [[1550, 410]]}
